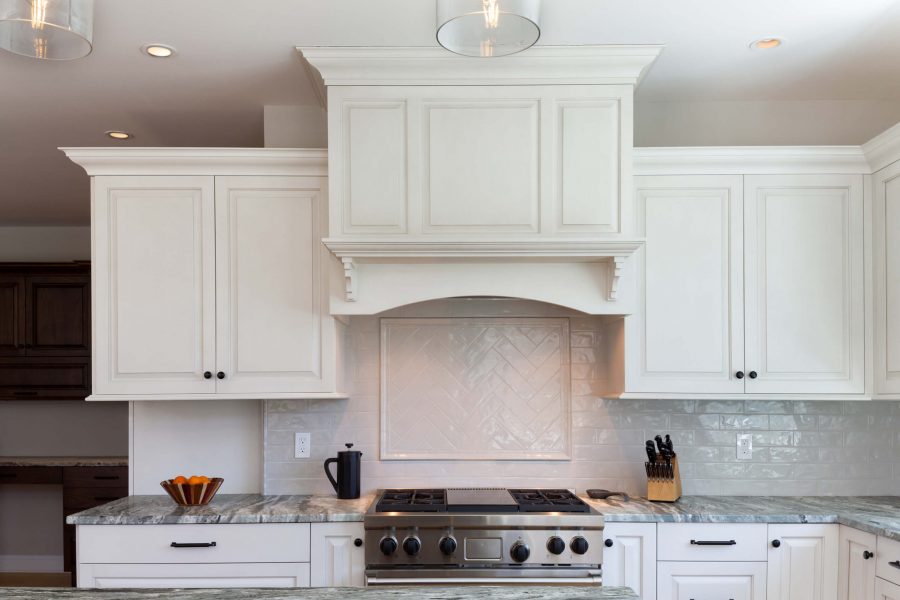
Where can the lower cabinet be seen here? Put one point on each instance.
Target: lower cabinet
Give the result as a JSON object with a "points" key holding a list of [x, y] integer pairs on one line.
{"points": [[217, 575], [885, 590], [803, 562], [629, 557], [337, 555], [712, 581], [856, 564]]}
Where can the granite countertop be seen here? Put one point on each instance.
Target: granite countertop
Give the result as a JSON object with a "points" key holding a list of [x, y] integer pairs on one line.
{"points": [[63, 461], [876, 514], [390, 593], [224, 508]]}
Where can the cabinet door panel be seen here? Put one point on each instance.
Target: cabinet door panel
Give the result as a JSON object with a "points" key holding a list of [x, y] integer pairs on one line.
{"points": [[631, 559], [154, 273], [234, 575], [270, 301], [712, 581], [885, 590], [886, 254], [12, 316], [58, 316], [804, 274], [335, 559], [856, 565], [805, 564], [688, 335]]}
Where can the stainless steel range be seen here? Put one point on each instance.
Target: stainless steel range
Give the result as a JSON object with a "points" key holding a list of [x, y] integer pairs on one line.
{"points": [[480, 535]]}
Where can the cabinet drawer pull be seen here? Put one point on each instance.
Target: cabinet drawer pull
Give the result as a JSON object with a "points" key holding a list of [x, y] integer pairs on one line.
{"points": [[713, 543], [194, 545], [107, 477], [895, 564], [25, 393]]}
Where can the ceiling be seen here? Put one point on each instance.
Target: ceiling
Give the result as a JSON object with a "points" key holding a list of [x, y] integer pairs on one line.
{"points": [[236, 56]]}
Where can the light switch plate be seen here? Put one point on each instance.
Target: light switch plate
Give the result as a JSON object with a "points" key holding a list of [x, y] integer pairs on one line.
{"points": [[301, 445], [745, 446]]}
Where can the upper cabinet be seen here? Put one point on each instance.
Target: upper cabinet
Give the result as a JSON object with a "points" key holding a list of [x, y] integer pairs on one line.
{"points": [[211, 285], [749, 285], [886, 254]]}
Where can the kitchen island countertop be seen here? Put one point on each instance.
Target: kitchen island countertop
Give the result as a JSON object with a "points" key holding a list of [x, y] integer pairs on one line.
{"points": [[390, 593]]}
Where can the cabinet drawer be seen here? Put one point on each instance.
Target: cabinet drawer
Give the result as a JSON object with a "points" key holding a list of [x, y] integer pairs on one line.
{"points": [[887, 565], [711, 541], [79, 499], [252, 575], [84, 477], [49, 475], [269, 542]]}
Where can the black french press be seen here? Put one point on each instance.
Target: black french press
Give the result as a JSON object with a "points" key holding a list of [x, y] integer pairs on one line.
{"points": [[348, 473]]}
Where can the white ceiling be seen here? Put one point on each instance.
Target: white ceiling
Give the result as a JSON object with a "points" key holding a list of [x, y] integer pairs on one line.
{"points": [[236, 56]]}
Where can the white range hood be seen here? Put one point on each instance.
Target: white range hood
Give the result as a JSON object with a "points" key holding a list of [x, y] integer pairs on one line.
{"points": [[453, 176]]}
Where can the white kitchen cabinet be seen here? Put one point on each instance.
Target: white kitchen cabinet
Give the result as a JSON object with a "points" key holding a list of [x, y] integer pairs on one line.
{"points": [[886, 260], [856, 564], [229, 575], [885, 590], [887, 563], [712, 581], [803, 562], [337, 555], [804, 276], [629, 557], [689, 335]]}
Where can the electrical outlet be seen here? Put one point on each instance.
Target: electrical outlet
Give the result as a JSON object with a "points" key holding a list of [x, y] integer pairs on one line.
{"points": [[301, 445], [744, 446]]}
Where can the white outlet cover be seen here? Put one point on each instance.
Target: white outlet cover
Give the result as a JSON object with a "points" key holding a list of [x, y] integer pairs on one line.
{"points": [[301, 445], [744, 446]]}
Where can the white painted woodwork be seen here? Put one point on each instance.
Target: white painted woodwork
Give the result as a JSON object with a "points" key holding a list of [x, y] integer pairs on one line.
{"points": [[258, 542], [805, 565], [230, 575], [153, 277], [885, 590], [688, 334], [887, 564], [335, 559], [856, 573], [270, 300], [804, 286], [675, 541], [631, 560], [712, 581], [886, 258]]}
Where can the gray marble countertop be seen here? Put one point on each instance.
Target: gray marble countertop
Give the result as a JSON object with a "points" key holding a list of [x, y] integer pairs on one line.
{"points": [[876, 514], [63, 461], [224, 508], [391, 593]]}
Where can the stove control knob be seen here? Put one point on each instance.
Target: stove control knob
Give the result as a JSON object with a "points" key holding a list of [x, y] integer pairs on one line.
{"points": [[556, 545], [579, 545], [447, 545], [412, 545], [519, 552], [388, 546]]}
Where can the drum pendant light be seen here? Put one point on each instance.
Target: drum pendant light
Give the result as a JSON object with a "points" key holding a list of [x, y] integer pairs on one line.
{"points": [[47, 29], [488, 28]]}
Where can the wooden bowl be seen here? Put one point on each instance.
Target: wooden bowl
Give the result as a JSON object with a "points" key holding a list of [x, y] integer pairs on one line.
{"points": [[192, 494]]}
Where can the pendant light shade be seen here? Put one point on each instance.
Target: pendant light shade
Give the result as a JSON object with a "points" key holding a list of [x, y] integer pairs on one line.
{"points": [[48, 29], [488, 27]]}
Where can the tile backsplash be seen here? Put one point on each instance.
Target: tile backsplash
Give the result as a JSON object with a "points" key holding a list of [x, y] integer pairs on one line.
{"points": [[799, 447]]}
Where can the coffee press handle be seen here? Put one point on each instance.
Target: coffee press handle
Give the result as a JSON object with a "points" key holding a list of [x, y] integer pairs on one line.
{"points": [[331, 478]]}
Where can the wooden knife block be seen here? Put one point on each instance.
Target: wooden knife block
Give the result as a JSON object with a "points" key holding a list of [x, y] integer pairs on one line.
{"points": [[665, 490]]}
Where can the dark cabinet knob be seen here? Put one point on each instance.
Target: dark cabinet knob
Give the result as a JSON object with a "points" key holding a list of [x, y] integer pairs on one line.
{"points": [[739, 374], [867, 555], [220, 375], [752, 374], [357, 542], [608, 543], [207, 375], [776, 543], [579, 545], [556, 545]]}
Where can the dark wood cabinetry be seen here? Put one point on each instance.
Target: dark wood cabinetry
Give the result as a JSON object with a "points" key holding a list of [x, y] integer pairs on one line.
{"points": [[45, 331]]}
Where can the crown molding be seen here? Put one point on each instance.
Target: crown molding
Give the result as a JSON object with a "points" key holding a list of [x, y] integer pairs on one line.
{"points": [[749, 160], [883, 149], [201, 161], [555, 65]]}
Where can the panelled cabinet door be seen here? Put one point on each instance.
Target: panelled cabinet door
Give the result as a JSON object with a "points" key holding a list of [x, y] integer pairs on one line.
{"points": [[12, 315], [886, 255], [154, 284], [58, 315], [270, 298], [629, 557], [688, 334], [804, 284], [337, 556], [885, 590], [712, 581], [803, 565], [223, 575], [856, 565]]}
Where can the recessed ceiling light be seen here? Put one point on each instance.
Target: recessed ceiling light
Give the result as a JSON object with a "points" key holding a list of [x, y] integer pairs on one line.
{"points": [[119, 135], [158, 50], [767, 43]]}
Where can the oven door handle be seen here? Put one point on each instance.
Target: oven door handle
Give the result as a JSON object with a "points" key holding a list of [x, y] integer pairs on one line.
{"points": [[383, 581]]}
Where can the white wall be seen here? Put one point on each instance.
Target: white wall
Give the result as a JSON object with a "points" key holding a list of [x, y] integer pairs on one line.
{"points": [[44, 244], [295, 127]]}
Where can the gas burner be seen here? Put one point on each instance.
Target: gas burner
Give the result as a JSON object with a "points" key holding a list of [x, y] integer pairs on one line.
{"points": [[412, 500], [536, 500]]}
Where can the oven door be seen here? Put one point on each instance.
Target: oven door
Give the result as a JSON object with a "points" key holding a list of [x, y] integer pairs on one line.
{"points": [[409, 577]]}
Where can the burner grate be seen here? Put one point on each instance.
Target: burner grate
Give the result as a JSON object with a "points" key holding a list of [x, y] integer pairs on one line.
{"points": [[412, 501], [537, 500]]}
